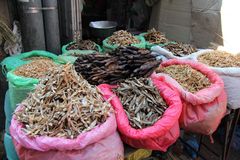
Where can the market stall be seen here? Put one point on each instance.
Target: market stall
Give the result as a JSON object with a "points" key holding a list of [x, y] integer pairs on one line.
{"points": [[132, 92]]}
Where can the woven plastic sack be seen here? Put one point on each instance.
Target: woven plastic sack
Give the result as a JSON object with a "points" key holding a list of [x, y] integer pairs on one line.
{"points": [[9, 148], [108, 47], [150, 45], [101, 143], [160, 51], [64, 49], [157, 137], [13, 62], [8, 112], [202, 111], [231, 78], [19, 87]]}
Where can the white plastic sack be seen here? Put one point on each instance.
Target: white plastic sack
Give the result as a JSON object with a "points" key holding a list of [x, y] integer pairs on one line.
{"points": [[161, 52], [231, 78]]}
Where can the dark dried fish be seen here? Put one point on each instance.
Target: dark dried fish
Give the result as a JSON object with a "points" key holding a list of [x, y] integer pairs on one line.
{"points": [[180, 49], [141, 102], [115, 67]]}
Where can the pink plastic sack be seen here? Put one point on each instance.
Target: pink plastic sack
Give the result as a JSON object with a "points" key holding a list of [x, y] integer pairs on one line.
{"points": [[157, 137], [101, 143], [202, 111]]}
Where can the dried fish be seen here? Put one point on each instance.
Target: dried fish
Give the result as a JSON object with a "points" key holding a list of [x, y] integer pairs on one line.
{"points": [[180, 49], [36, 58], [143, 105], [36, 68], [155, 37], [83, 45], [122, 38], [189, 78], [112, 68], [63, 105], [220, 59]]}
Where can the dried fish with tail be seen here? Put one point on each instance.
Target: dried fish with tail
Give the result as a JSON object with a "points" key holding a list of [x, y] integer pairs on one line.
{"points": [[140, 111]]}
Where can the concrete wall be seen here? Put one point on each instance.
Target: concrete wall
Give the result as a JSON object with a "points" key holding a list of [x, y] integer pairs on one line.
{"points": [[190, 21]]}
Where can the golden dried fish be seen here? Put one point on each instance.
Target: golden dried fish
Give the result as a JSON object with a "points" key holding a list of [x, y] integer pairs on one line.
{"points": [[36, 58], [220, 59], [36, 68], [63, 105], [122, 38], [155, 37], [189, 78], [143, 105]]}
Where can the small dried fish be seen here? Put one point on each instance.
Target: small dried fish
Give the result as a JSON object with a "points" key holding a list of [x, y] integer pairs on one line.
{"points": [[83, 45], [115, 67], [122, 38], [180, 49], [36, 68], [141, 102], [155, 37], [189, 78], [220, 59], [63, 105], [36, 58]]}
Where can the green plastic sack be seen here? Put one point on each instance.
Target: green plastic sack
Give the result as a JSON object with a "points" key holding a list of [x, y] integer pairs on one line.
{"points": [[8, 112], [19, 87], [149, 45], [67, 59], [108, 47], [7, 126], [64, 49], [9, 147], [13, 62]]}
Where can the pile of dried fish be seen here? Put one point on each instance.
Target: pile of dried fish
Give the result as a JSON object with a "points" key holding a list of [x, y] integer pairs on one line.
{"points": [[63, 105], [122, 38], [189, 78], [220, 59], [76, 54], [35, 58], [83, 45], [155, 37], [112, 68], [141, 102], [180, 49], [35, 69]]}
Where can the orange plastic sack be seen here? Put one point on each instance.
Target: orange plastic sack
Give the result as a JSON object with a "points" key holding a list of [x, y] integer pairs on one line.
{"points": [[101, 143], [157, 137], [202, 111]]}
